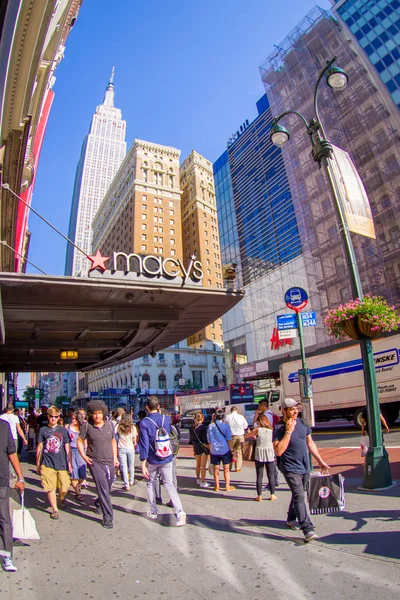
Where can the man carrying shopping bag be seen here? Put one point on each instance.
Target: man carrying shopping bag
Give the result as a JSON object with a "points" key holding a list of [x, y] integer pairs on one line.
{"points": [[8, 453], [293, 444]]}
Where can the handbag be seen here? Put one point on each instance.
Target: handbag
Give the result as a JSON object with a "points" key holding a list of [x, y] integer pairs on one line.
{"points": [[364, 445], [206, 450], [23, 524], [248, 449], [326, 493]]}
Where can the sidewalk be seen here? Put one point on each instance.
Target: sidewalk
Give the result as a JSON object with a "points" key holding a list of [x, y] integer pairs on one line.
{"points": [[232, 547]]}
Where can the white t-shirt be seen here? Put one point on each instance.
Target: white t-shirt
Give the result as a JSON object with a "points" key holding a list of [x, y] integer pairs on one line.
{"points": [[237, 423], [13, 421]]}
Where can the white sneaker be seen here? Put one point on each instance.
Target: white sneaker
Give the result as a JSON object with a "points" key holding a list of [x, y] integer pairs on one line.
{"points": [[152, 515], [204, 485], [8, 565], [311, 535], [198, 481], [181, 519]]}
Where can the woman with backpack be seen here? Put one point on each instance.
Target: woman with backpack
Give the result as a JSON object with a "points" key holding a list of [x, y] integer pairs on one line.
{"points": [[264, 455], [201, 450], [127, 438], [219, 437]]}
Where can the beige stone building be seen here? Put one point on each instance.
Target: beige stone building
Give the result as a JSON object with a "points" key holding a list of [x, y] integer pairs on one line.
{"points": [[153, 207], [141, 212], [200, 231]]}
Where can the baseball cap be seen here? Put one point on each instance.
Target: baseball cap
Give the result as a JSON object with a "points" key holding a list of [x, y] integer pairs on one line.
{"points": [[289, 403]]}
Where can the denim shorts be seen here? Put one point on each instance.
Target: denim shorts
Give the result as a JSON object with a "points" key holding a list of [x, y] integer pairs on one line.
{"points": [[226, 459]]}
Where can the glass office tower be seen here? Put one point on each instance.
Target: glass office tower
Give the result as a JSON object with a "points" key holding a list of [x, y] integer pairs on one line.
{"points": [[376, 26], [258, 232], [258, 228]]}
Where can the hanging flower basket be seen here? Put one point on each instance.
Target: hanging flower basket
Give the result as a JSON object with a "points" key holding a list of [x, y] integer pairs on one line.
{"points": [[366, 318], [357, 328]]}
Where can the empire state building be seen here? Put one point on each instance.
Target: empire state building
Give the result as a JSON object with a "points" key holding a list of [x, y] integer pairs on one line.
{"points": [[103, 150]]}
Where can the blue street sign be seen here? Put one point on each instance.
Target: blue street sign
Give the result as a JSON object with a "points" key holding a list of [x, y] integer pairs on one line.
{"points": [[296, 298], [286, 322], [309, 319]]}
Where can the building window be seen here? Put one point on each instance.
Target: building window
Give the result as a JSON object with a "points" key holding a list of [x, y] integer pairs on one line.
{"points": [[144, 236], [144, 248], [146, 381], [162, 381], [172, 242]]}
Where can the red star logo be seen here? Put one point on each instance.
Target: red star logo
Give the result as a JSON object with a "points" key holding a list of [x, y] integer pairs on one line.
{"points": [[98, 261]]}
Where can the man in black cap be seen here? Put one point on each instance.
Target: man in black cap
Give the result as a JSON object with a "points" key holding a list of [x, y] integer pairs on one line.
{"points": [[293, 444]]}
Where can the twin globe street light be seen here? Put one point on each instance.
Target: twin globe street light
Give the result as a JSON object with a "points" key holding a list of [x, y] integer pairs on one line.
{"points": [[377, 470]]}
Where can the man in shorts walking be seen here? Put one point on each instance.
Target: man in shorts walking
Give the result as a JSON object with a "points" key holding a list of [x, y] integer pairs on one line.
{"points": [[53, 460]]}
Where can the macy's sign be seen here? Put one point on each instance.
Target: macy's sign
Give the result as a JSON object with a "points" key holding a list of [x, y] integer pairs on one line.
{"points": [[153, 266]]}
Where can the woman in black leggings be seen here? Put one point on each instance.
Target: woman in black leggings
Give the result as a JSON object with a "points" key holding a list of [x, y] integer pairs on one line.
{"points": [[264, 455]]}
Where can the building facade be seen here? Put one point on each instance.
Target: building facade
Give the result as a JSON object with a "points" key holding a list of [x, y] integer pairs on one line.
{"points": [[156, 207], [362, 120], [103, 150], [27, 75], [141, 212], [375, 25], [200, 231]]}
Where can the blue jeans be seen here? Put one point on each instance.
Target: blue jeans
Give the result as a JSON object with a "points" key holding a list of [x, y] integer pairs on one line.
{"points": [[126, 457]]}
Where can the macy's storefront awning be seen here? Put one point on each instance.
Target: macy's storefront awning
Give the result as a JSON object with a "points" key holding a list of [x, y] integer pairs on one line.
{"points": [[106, 320]]}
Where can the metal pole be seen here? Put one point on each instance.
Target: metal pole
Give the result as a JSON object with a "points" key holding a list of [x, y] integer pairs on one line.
{"points": [[377, 468], [307, 401]]}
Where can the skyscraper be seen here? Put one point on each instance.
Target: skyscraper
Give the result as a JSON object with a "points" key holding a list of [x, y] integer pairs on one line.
{"points": [[258, 231], [363, 121], [376, 27], [200, 231], [141, 212], [103, 150]]}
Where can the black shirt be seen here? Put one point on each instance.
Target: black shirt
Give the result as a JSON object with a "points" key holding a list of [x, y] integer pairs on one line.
{"points": [[42, 420], [296, 458], [197, 437], [99, 446], [7, 446], [54, 439]]}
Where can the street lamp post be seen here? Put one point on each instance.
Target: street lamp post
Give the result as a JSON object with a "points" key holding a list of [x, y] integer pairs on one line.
{"points": [[377, 469]]}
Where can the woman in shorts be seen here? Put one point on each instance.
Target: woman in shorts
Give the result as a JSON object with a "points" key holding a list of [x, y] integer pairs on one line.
{"points": [[219, 437], [198, 439]]}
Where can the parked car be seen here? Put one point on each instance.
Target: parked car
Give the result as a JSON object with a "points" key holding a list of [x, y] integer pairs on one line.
{"points": [[187, 419]]}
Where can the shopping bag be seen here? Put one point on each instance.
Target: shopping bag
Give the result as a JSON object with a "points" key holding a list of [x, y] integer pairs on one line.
{"points": [[364, 445], [326, 493], [248, 449], [24, 527]]}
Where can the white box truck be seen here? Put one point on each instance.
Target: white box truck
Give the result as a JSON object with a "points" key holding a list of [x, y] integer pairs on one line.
{"points": [[338, 381]]}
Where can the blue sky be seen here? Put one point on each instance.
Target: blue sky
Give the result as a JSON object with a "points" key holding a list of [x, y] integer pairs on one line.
{"points": [[186, 75]]}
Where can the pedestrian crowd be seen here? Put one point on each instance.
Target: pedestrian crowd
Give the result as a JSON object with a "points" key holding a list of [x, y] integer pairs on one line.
{"points": [[69, 444]]}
